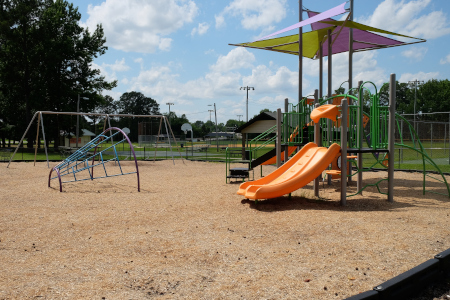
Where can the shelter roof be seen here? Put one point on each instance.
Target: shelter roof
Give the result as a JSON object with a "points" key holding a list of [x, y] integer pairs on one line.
{"points": [[87, 132]]}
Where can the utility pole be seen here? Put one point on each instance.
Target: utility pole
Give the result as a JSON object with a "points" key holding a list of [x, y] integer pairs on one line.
{"points": [[247, 88], [415, 83], [210, 111], [215, 114]]}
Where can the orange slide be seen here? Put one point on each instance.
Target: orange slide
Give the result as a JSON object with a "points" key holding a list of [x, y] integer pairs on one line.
{"points": [[297, 172]]}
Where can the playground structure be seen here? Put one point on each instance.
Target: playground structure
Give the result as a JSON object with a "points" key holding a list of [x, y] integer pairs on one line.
{"points": [[80, 165], [369, 128], [348, 124], [40, 123]]}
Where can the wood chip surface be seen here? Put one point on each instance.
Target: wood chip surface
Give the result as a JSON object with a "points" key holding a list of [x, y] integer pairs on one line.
{"points": [[187, 235]]}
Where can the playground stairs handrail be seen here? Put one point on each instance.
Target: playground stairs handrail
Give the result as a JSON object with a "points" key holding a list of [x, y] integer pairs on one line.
{"points": [[253, 150]]}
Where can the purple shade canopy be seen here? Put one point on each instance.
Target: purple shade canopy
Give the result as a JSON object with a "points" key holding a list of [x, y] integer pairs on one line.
{"points": [[317, 17], [342, 41]]}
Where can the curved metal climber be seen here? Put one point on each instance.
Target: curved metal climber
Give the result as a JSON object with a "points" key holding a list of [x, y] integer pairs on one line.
{"points": [[100, 152]]}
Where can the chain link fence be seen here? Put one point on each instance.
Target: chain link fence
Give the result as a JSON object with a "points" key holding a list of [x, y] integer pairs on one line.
{"points": [[433, 132]]}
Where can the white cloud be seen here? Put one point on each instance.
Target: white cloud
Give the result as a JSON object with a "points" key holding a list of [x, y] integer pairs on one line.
{"points": [[415, 53], [109, 70], [254, 14], [224, 79], [201, 29], [445, 60], [141, 26], [220, 21], [118, 66], [405, 77], [406, 17], [282, 80], [365, 67], [238, 58]]}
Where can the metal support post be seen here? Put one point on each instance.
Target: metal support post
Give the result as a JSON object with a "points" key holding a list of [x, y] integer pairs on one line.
{"points": [[321, 70], [329, 122], [300, 54], [344, 108], [391, 140], [360, 130], [278, 145], [286, 130], [45, 142], [317, 140], [21, 140]]}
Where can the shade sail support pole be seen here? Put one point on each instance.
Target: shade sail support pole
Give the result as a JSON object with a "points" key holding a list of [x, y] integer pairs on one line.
{"points": [[300, 52], [330, 101]]}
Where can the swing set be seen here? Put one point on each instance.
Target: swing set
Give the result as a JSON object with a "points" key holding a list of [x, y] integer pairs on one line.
{"points": [[101, 152]]}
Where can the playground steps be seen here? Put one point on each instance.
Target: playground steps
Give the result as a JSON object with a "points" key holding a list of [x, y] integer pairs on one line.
{"points": [[333, 172], [239, 173], [242, 173]]}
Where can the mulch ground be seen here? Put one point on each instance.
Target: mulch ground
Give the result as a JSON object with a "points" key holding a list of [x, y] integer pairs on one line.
{"points": [[187, 235]]}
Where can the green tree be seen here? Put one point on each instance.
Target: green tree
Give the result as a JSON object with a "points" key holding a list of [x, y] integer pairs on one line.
{"points": [[434, 96], [18, 59], [135, 103], [234, 123], [404, 97], [46, 58], [176, 122], [106, 106], [340, 91]]}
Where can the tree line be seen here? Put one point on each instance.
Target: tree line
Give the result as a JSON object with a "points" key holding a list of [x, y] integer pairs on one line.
{"points": [[46, 65]]}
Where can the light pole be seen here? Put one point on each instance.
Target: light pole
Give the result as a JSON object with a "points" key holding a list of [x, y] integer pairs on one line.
{"points": [[247, 88], [415, 83], [169, 103], [215, 114], [239, 117], [78, 118], [210, 111]]}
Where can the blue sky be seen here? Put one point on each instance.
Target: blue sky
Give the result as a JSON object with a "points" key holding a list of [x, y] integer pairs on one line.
{"points": [[177, 50]]}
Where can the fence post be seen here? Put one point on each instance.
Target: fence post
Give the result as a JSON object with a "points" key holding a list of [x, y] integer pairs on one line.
{"points": [[445, 135], [431, 151]]}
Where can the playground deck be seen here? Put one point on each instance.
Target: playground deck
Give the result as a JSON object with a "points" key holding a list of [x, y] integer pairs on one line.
{"points": [[188, 235]]}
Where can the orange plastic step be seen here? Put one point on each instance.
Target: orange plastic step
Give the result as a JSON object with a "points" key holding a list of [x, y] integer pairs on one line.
{"points": [[333, 172]]}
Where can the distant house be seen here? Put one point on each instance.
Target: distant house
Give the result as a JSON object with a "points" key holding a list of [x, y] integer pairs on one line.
{"points": [[258, 124], [84, 138]]}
